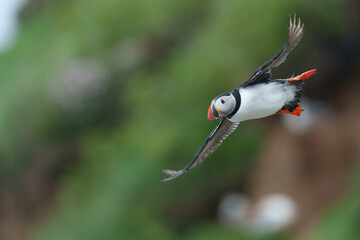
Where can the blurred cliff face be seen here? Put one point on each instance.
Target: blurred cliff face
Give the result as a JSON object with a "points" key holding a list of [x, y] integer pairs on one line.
{"points": [[314, 159], [97, 97]]}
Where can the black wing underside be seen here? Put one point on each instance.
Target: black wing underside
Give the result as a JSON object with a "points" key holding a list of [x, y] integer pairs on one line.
{"points": [[222, 130], [263, 73]]}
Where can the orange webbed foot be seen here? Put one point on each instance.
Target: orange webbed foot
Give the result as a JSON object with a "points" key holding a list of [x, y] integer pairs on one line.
{"points": [[302, 76], [297, 111]]}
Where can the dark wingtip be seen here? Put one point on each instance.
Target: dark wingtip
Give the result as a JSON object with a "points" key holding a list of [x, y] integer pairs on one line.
{"points": [[172, 174]]}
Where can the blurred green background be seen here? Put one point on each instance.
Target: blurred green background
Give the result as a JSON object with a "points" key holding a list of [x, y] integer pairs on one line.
{"points": [[96, 97]]}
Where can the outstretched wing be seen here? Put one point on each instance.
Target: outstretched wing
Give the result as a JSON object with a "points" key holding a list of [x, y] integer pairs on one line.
{"points": [[222, 130], [296, 31]]}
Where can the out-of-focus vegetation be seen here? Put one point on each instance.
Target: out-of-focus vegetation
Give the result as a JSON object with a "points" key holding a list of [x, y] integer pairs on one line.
{"points": [[96, 97]]}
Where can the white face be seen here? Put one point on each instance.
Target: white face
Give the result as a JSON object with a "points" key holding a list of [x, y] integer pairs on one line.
{"points": [[225, 105]]}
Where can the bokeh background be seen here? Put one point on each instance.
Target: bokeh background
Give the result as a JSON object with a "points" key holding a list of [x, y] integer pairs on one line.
{"points": [[96, 97]]}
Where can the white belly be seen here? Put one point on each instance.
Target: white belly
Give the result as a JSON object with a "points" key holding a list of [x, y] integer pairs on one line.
{"points": [[263, 100]]}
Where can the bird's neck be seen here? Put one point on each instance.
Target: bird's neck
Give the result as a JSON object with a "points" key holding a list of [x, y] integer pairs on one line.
{"points": [[235, 93]]}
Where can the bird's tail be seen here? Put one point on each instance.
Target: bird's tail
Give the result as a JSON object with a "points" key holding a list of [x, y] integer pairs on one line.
{"points": [[298, 82]]}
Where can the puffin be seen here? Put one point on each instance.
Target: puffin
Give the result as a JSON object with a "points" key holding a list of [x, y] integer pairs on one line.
{"points": [[258, 97]]}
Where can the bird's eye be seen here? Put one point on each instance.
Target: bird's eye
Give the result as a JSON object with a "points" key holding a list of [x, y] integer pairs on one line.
{"points": [[222, 101]]}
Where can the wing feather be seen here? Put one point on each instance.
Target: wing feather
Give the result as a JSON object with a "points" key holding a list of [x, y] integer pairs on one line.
{"points": [[296, 31], [222, 130]]}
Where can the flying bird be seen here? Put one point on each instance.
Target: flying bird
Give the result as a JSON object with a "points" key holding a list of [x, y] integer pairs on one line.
{"points": [[258, 97]]}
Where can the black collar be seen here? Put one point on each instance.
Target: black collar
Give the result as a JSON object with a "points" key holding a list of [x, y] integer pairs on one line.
{"points": [[236, 94]]}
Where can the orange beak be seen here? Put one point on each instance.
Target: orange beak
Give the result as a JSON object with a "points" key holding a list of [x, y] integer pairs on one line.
{"points": [[210, 113]]}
